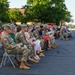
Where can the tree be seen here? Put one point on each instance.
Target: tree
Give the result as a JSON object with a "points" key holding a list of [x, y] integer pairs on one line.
{"points": [[15, 14], [36, 10], [4, 5], [47, 11], [60, 11]]}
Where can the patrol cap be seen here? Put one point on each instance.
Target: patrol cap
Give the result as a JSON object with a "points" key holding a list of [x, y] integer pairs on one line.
{"points": [[6, 26], [37, 26], [29, 26], [23, 26], [44, 25], [12, 26]]}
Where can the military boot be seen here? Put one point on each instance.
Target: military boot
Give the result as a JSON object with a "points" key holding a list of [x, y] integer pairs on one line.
{"points": [[53, 45], [33, 60], [27, 64], [49, 46], [39, 51], [36, 59], [41, 55], [66, 39], [18, 62], [23, 66]]}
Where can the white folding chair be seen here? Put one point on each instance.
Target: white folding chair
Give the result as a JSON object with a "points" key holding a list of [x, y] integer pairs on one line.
{"points": [[6, 58]]}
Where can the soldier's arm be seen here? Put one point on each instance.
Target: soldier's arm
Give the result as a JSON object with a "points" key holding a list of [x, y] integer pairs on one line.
{"points": [[20, 39], [17, 38], [6, 44], [34, 34], [31, 36]]}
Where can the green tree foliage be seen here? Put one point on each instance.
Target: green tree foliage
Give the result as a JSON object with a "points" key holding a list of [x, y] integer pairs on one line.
{"points": [[4, 5], [15, 14], [60, 11], [47, 11]]}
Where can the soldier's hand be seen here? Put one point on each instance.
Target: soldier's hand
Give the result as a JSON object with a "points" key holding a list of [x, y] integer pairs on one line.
{"points": [[33, 44], [18, 45], [25, 46]]}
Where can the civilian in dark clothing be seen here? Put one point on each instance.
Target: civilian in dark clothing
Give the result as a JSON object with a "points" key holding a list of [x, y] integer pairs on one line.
{"points": [[33, 29]]}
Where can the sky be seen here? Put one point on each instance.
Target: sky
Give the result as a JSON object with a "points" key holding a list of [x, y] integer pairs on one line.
{"points": [[16, 3], [71, 7], [19, 3]]}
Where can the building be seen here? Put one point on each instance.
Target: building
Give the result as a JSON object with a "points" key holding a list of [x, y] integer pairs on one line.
{"points": [[20, 9]]}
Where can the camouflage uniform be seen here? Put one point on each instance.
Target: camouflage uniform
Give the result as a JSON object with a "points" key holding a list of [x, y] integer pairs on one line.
{"points": [[63, 34], [11, 47], [31, 34], [20, 36], [52, 39], [46, 42], [36, 35]]}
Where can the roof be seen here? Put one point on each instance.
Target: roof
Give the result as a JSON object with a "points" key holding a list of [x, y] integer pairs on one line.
{"points": [[20, 9]]}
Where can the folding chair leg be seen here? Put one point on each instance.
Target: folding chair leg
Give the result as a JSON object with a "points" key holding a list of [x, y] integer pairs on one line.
{"points": [[11, 62], [3, 59]]}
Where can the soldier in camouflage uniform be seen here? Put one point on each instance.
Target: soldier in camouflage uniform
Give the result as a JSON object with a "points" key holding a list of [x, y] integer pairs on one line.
{"points": [[37, 42], [63, 34], [51, 42], [13, 48], [38, 37], [52, 38], [30, 33], [21, 38], [46, 42], [36, 32]]}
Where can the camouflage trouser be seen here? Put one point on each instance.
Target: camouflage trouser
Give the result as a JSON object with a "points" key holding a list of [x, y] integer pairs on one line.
{"points": [[31, 48], [45, 44], [42, 43], [20, 50], [65, 35], [52, 39]]}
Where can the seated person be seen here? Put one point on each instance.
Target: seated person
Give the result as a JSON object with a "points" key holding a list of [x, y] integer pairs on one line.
{"points": [[33, 42], [21, 38], [63, 34], [12, 48]]}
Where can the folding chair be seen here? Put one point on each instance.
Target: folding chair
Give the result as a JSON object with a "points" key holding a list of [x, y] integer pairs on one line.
{"points": [[6, 58], [1, 51]]}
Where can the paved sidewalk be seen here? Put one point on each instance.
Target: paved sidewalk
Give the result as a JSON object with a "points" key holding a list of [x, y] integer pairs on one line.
{"points": [[59, 61]]}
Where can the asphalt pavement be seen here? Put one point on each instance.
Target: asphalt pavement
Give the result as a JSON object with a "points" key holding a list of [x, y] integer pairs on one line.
{"points": [[59, 61]]}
